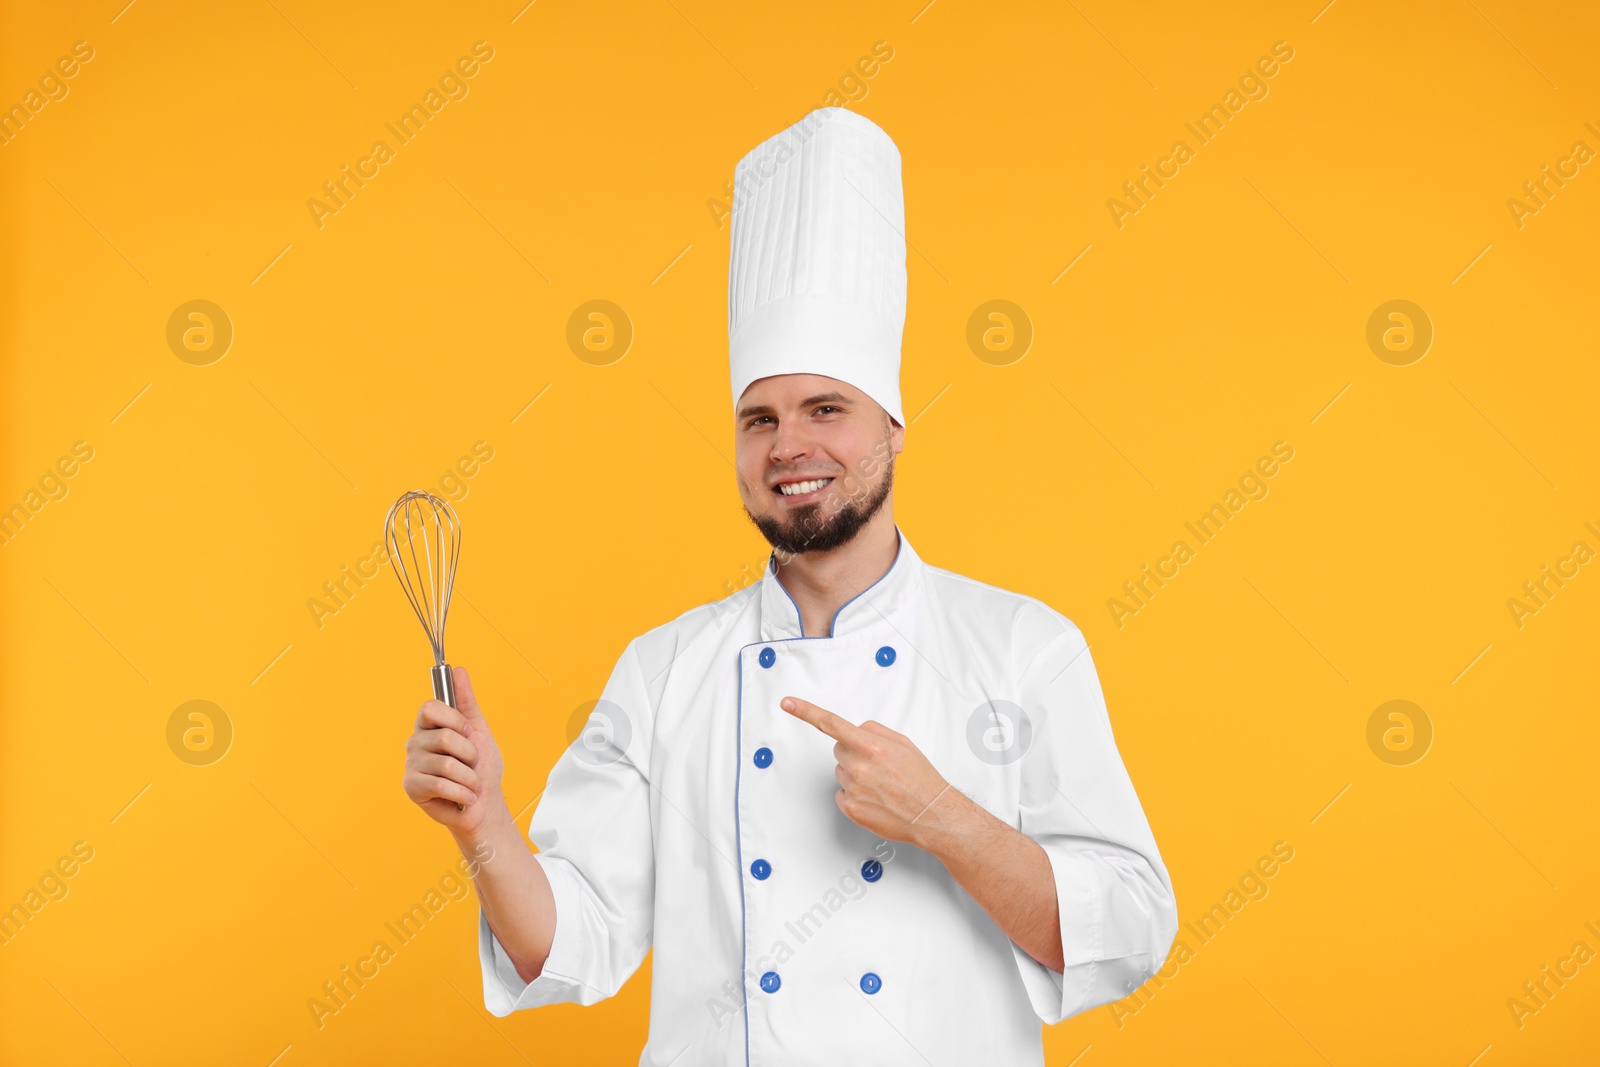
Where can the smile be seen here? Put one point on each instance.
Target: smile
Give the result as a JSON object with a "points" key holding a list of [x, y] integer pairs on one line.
{"points": [[810, 488]]}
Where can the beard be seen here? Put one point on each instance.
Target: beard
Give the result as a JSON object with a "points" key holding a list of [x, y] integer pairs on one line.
{"points": [[809, 529]]}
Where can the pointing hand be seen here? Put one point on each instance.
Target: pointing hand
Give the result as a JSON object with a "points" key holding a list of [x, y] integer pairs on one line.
{"points": [[886, 784]]}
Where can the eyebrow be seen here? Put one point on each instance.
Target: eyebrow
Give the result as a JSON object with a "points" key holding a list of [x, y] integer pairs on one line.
{"points": [[820, 398]]}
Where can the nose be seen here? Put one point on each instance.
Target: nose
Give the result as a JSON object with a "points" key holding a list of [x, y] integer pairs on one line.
{"points": [[792, 442]]}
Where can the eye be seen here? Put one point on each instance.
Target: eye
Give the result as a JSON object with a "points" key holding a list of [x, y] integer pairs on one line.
{"points": [[755, 420], [827, 407]]}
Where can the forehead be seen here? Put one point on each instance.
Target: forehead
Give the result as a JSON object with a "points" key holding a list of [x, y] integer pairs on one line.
{"points": [[780, 390]]}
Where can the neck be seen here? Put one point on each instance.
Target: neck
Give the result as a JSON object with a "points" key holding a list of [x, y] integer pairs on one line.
{"points": [[822, 582]]}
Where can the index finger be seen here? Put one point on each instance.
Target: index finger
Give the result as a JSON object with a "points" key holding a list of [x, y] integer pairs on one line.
{"points": [[834, 726], [436, 713]]}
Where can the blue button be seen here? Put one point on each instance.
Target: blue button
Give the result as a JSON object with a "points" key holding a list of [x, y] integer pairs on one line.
{"points": [[870, 983], [770, 981], [885, 656], [872, 870], [767, 657], [761, 868], [763, 757]]}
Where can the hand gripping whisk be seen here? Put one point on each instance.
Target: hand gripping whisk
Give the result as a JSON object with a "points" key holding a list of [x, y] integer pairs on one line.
{"points": [[424, 539]]}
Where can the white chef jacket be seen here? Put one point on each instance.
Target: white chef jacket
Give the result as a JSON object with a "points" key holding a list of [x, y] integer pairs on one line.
{"points": [[697, 817]]}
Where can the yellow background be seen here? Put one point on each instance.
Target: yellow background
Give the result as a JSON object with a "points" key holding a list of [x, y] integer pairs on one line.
{"points": [[371, 353]]}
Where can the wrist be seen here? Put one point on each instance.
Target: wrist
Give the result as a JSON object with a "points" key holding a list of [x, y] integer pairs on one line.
{"points": [[944, 825], [496, 830]]}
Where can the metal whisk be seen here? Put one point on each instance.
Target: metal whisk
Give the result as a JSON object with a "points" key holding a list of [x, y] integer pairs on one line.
{"points": [[424, 539]]}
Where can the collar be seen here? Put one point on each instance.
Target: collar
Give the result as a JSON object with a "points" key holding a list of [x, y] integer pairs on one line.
{"points": [[780, 615]]}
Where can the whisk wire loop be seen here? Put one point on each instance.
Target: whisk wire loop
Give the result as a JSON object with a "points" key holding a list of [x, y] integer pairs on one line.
{"points": [[429, 579]]}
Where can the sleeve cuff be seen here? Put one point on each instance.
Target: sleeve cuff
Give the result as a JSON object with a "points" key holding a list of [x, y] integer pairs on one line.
{"points": [[1091, 978], [504, 991]]}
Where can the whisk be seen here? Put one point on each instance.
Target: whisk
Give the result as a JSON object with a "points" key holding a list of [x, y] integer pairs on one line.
{"points": [[423, 536]]}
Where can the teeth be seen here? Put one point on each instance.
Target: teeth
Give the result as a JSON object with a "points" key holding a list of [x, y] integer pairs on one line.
{"points": [[795, 488]]}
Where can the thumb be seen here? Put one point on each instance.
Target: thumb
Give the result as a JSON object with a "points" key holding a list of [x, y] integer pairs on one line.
{"points": [[466, 701]]}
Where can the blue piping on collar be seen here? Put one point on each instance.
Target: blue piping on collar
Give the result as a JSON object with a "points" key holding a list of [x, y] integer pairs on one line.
{"points": [[772, 568]]}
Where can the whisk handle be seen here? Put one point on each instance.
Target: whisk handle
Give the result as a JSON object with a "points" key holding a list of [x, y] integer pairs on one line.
{"points": [[444, 688], [444, 684]]}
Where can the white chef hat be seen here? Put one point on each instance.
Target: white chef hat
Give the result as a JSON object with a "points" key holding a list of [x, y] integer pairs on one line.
{"points": [[817, 270]]}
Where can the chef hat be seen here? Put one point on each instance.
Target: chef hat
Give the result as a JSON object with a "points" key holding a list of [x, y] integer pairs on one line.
{"points": [[817, 270]]}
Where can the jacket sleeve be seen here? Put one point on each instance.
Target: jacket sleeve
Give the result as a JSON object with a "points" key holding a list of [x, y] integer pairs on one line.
{"points": [[592, 830], [1118, 913]]}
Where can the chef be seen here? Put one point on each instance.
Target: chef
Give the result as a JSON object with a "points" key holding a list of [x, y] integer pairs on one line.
{"points": [[866, 810]]}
